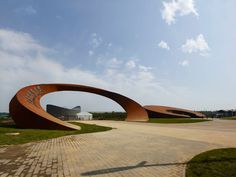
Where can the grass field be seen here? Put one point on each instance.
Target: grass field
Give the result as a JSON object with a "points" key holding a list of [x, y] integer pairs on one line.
{"points": [[29, 135], [229, 118], [214, 163], [175, 120]]}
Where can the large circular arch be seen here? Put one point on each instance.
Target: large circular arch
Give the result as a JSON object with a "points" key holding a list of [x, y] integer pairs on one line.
{"points": [[26, 111]]}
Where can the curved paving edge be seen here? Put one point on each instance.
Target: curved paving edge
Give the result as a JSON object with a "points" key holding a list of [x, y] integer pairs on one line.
{"points": [[26, 111]]}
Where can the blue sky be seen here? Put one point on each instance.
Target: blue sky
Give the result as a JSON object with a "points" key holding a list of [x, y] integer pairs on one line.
{"points": [[177, 53]]}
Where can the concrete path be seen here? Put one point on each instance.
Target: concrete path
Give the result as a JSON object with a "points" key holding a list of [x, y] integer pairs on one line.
{"points": [[131, 149]]}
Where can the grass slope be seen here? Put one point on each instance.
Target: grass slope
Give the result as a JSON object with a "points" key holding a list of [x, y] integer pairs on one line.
{"points": [[175, 120], [29, 135], [214, 163]]}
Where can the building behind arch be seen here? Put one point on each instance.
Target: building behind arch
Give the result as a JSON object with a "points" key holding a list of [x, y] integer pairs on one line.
{"points": [[63, 113]]}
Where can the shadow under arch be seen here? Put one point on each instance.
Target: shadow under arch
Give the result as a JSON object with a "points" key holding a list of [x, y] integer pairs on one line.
{"points": [[26, 111]]}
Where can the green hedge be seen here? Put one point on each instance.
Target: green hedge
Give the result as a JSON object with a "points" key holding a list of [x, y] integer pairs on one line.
{"points": [[109, 115]]}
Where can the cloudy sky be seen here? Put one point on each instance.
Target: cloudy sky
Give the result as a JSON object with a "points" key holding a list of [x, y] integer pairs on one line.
{"points": [[171, 52]]}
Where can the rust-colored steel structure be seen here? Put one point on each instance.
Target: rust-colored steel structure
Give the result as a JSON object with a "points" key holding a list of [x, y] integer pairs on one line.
{"points": [[26, 111], [155, 111]]}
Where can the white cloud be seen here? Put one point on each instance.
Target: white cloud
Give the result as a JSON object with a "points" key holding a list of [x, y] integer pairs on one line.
{"points": [[144, 68], [196, 45], [18, 42], [96, 40], [177, 7], [184, 63], [130, 64], [145, 76], [59, 17], [109, 63], [114, 63], [109, 44], [163, 45], [29, 10], [23, 61], [90, 52], [33, 65]]}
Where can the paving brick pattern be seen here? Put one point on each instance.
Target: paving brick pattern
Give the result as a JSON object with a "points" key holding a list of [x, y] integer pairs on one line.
{"points": [[132, 149]]}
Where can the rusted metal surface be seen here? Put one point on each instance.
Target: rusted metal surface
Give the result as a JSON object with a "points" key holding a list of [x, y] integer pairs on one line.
{"points": [[155, 111], [26, 111]]}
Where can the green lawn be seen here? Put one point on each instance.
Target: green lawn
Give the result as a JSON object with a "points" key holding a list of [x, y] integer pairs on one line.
{"points": [[214, 163], [90, 128], [229, 118], [175, 120], [29, 135]]}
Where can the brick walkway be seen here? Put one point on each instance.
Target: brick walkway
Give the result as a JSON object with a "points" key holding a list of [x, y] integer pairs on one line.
{"points": [[132, 149]]}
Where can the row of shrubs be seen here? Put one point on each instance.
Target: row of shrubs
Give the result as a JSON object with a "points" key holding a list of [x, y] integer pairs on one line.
{"points": [[96, 115], [109, 115], [4, 115]]}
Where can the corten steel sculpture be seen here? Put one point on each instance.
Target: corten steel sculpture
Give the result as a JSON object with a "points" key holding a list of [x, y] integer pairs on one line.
{"points": [[155, 111], [26, 111]]}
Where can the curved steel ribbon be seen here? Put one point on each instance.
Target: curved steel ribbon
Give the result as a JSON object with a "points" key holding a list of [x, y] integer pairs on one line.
{"points": [[155, 111], [26, 111]]}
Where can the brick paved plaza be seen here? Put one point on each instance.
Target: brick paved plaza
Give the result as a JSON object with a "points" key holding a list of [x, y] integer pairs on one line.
{"points": [[130, 149]]}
